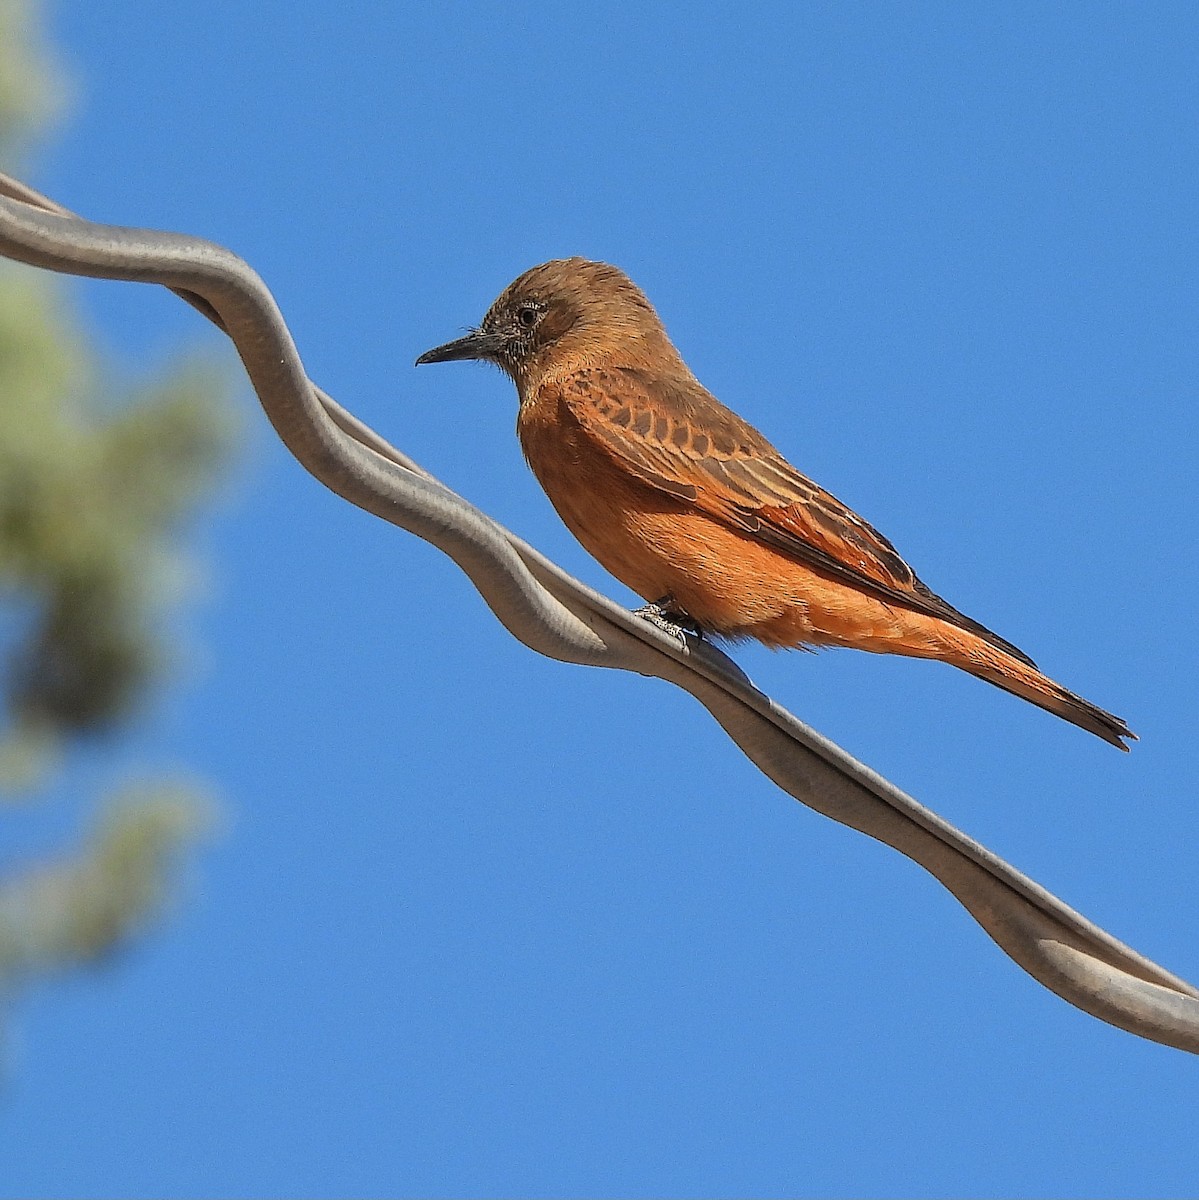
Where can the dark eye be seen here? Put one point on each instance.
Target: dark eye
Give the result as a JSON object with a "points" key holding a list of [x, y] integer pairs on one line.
{"points": [[527, 315]]}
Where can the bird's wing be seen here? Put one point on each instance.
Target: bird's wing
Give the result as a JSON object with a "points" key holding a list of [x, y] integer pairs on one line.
{"points": [[677, 438]]}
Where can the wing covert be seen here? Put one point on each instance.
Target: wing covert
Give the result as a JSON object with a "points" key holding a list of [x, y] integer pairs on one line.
{"points": [[677, 438]]}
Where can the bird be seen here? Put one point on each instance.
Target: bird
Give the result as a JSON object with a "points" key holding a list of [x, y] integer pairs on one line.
{"points": [[692, 508]]}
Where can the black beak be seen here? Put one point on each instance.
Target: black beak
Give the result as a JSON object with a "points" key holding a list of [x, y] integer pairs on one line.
{"points": [[474, 345]]}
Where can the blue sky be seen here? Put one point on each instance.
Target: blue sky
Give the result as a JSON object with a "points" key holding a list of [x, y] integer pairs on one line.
{"points": [[479, 923]]}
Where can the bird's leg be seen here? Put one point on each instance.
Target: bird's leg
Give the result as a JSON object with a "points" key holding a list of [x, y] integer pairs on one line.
{"points": [[669, 618]]}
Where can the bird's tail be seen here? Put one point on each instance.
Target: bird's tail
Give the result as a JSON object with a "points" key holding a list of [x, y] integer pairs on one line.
{"points": [[1023, 679]]}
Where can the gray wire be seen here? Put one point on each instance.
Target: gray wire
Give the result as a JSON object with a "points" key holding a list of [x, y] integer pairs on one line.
{"points": [[557, 616]]}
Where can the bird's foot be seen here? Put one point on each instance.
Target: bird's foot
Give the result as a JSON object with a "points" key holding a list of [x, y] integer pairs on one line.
{"points": [[669, 619]]}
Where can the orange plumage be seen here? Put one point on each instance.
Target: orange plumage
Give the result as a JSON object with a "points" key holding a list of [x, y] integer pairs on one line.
{"points": [[693, 509]]}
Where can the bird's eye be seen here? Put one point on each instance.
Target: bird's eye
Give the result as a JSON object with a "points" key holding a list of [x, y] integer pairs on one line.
{"points": [[527, 315]]}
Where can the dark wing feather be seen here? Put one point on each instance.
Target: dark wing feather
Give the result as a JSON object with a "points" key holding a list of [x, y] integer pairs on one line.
{"points": [[684, 443]]}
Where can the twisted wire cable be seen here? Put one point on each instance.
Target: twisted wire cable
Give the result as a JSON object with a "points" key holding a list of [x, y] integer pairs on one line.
{"points": [[554, 614]]}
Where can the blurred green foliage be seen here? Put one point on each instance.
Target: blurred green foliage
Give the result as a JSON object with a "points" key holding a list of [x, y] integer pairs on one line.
{"points": [[31, 85], [95, 488]]}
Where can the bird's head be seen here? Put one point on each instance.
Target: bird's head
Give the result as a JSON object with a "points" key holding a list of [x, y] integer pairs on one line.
{"points": [[563, 314]]}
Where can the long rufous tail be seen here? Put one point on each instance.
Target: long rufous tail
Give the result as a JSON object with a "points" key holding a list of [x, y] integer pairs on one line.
{"points": [[1024, 680]]}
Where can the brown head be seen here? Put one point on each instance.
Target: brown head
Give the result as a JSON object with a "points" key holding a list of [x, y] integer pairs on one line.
{"points": [[560, 316]]}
